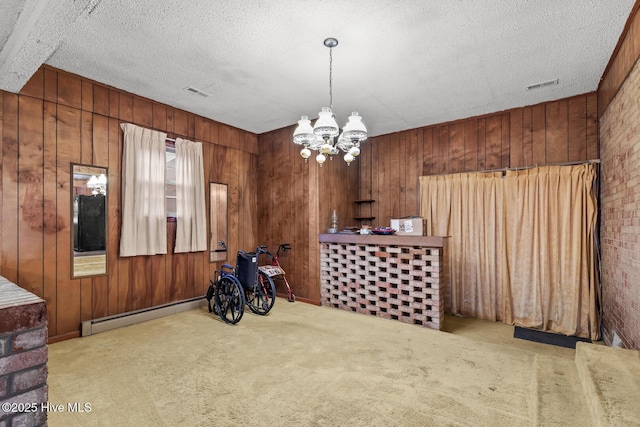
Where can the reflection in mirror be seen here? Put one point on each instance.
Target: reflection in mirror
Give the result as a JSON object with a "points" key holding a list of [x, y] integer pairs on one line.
{"points": [[89, 203], [218, 221]]}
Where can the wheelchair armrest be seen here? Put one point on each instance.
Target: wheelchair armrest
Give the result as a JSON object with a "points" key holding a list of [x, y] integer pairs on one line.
{"points": [[227, 266]]}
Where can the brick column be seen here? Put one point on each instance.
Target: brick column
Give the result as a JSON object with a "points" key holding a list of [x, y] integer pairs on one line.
{"points": [[23, 357]]}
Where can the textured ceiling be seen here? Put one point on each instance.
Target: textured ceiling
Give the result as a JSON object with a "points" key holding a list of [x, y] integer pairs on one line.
{"points": [[401, 64]]}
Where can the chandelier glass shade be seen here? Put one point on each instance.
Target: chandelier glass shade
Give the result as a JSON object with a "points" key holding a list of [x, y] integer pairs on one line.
{"points": [[324, 135]]}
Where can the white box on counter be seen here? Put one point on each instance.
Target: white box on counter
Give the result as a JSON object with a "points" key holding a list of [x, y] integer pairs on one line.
{"points": [[409, 226]]}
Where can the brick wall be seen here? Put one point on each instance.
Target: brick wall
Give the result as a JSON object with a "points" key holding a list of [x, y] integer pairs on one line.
{"points": [[620, 213], [394, 282], [23, 357]]}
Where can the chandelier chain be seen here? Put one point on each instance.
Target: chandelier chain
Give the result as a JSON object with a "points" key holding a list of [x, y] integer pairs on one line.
{"points": [[331, 78]]}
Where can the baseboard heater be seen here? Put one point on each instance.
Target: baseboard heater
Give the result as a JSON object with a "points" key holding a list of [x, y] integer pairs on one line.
{"points": [[91, 327]]}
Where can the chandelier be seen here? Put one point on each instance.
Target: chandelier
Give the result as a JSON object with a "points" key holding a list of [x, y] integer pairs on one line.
{"points": [[324, 136], [98, 184]]}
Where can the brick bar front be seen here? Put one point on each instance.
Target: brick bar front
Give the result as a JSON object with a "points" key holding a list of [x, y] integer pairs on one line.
{"points": [[395, 277]]}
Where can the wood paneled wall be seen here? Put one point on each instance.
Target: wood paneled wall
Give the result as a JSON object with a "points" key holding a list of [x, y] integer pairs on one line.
{"points": [[622, 61], [297, 198], [274, 197], [295, 203], [544, 134], [59, 118]]}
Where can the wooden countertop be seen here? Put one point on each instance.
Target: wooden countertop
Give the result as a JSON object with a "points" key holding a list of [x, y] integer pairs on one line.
{"points": [[373, 239]]}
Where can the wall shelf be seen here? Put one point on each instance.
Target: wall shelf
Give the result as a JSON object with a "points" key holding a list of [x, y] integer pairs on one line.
{"points": [[362, 204]]}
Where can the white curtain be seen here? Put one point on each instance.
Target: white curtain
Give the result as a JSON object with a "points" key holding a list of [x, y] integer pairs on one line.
{"points": [[144, 223], [191, 227]]}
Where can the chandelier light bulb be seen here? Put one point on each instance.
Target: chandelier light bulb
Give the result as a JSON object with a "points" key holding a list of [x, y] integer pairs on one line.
{"points": [[348, 158], [305, 153], [354, 151], [326, 148], [320, 158]]}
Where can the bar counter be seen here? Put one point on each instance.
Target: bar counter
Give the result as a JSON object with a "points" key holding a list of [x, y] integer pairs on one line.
{"points": [[395, 277]]}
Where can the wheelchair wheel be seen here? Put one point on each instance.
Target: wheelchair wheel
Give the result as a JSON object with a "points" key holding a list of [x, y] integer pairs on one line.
{"points": [[262, 295], [229, 300]]}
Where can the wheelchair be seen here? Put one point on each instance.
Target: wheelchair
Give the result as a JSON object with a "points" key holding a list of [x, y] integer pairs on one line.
{"points": [[244, 284]]}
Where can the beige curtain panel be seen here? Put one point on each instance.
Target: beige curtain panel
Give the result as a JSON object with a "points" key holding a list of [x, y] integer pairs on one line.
{"points": [[522, 246], [191, 227], [144, 223]]}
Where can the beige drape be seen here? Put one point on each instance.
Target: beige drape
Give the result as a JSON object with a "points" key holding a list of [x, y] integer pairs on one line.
{"points": [[551, 258], [522, 246], [468, 208], [191, 227], [144, 223]]}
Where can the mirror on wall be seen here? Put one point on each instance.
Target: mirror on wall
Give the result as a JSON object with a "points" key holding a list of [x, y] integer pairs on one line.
{"points": [[218, 221], [89, 213]]}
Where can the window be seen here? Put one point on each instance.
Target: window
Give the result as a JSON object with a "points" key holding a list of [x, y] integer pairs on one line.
{"points": [[170, 181]]}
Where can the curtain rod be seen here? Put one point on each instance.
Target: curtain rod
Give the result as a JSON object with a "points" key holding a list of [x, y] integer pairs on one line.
{"points": [[581, 162], [159, 130]]}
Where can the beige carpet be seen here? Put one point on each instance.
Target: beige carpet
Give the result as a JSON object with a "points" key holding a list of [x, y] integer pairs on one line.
{"points": [[304, 365]]}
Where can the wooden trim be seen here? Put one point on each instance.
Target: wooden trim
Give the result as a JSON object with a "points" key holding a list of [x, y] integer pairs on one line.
{"points": [[306, 300], [63, 337]]}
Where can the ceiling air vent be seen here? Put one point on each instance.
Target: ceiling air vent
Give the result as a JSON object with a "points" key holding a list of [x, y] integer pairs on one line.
{"points": [[543, 84], [195, 91]]}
